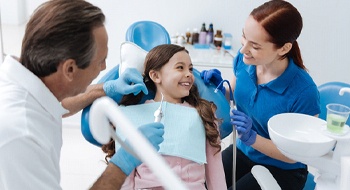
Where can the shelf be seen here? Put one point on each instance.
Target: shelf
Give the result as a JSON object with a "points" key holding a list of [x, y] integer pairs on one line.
{"points": [[210, 57]]}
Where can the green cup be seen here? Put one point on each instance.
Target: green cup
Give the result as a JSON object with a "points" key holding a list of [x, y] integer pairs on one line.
{"points": [[337, 115]]}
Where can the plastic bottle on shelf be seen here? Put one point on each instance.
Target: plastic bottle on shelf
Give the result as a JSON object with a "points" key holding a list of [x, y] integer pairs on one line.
{"points": [[195, 36], [180, 39], [227, 41], [218, 39], [203, 35], [188, 36], [210, 34]]}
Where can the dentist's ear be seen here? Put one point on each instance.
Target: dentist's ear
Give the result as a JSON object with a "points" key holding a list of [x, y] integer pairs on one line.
{"points": [[154, 75], [69, 68]]}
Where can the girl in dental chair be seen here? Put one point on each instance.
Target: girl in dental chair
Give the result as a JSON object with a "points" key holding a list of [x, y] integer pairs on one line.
{"points": [[191, 144]]}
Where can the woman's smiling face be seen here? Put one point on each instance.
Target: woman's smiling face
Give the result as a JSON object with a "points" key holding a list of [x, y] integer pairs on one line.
{"points": [[256, 48]]}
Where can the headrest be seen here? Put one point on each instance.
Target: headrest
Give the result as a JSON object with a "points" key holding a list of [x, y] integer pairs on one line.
{"points": [[131, 56]]}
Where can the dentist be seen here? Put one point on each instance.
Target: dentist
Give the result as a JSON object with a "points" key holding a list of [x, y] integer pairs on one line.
{"points": [[64, 48]]}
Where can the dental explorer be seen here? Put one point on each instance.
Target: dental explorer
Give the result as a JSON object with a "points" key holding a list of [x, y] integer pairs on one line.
{"points": [[158, 114]]}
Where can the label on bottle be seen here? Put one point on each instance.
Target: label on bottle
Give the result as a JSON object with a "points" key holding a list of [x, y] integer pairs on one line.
{"points": [[218, 38], [218, 41]]}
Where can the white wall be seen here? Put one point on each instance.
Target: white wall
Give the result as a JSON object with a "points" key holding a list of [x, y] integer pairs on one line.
{"points": [[324, 41]]}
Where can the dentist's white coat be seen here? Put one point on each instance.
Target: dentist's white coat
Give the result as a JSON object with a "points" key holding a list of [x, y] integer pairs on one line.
{"points": [[30, 130]]}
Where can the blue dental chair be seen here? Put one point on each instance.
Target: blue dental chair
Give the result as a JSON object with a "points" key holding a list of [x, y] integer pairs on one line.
{"points": [[329, 93], [146, 35]]}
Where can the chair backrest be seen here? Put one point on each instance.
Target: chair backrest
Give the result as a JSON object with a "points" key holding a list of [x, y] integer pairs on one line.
{"points": [[329, 93], [147, 34]]}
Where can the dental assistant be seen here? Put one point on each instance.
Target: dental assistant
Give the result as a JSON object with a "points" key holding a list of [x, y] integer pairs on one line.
{"points": [[64, 48], [269, 78]]}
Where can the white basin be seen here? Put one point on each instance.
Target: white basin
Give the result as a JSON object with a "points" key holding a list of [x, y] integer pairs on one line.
{"points": [[299, 135]]}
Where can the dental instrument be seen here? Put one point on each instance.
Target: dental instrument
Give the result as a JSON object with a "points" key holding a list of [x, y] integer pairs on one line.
{"points": [[232, 107], [158, 114], [105, 110]]}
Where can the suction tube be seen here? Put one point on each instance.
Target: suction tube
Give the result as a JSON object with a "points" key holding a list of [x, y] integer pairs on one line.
{"points": [[232, 107]]}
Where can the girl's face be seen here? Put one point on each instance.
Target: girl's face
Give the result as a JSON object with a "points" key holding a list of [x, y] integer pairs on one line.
{"points": [[256, 48], [175, 78]]}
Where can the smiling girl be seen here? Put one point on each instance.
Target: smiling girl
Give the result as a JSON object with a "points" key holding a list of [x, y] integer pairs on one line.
{"points": [[191, 144]]}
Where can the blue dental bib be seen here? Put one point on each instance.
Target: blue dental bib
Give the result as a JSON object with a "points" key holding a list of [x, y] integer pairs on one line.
{"points": [[184, 133]]}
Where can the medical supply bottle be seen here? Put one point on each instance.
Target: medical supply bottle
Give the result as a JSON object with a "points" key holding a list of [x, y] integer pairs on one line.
{"points": [[203, 35], [218, 39], [195, 36], [210, 34], [188, 36]]}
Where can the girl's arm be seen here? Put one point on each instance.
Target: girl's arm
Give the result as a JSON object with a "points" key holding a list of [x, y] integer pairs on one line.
{"points": [[214, 170]]}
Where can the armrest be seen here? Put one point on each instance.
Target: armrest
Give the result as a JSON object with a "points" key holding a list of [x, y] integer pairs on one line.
{"points": [[265, 178]]}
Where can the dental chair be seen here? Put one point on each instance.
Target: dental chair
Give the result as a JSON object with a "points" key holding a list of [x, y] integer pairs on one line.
{"points": [[143, 34], [140, 37], [329, 93], [147, 34]]}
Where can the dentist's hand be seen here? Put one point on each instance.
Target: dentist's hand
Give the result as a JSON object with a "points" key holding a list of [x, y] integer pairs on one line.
{"points": [[243, 125], [130, 81], [214, 76], [125, 161]]}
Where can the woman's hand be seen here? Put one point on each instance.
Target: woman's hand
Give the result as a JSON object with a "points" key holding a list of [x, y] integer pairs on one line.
{"points": [[213, 76], [243, 125]]}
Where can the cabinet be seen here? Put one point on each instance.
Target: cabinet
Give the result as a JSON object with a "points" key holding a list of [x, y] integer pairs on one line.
{"points": [[205, 59]]}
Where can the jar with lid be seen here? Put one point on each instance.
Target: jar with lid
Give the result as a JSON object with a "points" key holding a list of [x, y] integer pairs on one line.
{"points": [[218, 38]]}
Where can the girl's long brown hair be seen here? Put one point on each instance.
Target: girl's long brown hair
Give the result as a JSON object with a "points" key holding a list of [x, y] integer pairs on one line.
{"points": [[155, 60]]}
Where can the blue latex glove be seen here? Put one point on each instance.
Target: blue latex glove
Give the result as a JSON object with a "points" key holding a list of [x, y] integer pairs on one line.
{"points": [[130, 81], [243, 125], [213, 76], [125, 161]]}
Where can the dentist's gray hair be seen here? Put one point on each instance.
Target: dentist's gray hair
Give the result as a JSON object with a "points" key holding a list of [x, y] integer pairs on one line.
{"points": [[59, 30]]}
